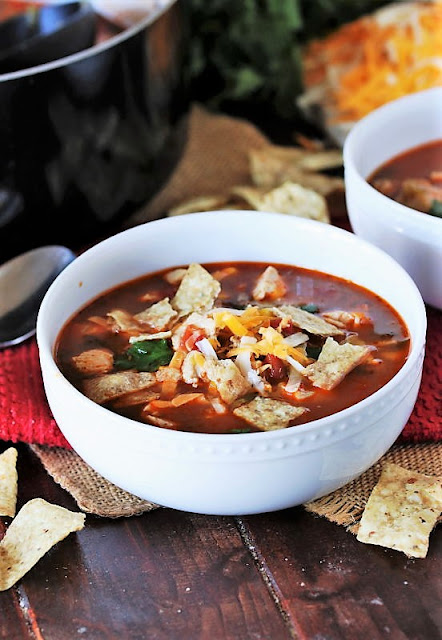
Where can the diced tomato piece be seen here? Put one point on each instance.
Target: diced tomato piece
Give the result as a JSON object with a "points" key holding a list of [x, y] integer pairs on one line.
{"points": [[191, 335], [275, 322]]}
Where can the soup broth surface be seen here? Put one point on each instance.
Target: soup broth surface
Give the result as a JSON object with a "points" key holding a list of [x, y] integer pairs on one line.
{"points": [[226, 347], [413, 178]]}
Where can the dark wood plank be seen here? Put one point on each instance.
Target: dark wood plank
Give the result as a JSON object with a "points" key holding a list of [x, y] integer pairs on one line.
{"points": [[163, 575], [331, 586], [15, 624]]}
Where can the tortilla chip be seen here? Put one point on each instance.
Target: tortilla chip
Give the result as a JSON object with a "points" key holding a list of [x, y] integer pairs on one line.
{"points": [[110, 386], [269, 414], [200, 203], [161, 335], [268, 167], [320, 160], [269, 285], [228, 379], [270, 170], [402, 510], [8, 482], [278, 152], [289, 198], [122, 320], [251, 195], [158, 316], [310, 322], [37, 527], [335, 362], [294, 199], [198, 291], [134, 398]]}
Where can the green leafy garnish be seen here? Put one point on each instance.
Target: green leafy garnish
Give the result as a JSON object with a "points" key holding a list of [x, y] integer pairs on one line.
{"points": [[313, 351], [310, 307], [436, 209], [146, 355], [245, 430]]}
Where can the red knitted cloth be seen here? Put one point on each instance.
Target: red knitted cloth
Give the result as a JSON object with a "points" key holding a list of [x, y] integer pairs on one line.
{"points": [[25, 414]]}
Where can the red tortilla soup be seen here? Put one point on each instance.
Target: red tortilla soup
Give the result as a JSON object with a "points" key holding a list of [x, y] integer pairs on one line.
{"points": [[413, 178], [232, 347]]}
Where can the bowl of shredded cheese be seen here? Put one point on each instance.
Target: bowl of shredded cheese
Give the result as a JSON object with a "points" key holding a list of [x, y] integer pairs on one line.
{"points": [[393, 52]]}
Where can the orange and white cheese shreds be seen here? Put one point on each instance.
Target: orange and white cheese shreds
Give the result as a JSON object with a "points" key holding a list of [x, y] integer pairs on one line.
{"points": [[378, 58]]}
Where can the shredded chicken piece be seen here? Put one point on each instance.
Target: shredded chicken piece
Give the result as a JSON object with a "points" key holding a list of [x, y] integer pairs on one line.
{"points": [[94, 362], [347, 319], [175, 276], [419, 194]]}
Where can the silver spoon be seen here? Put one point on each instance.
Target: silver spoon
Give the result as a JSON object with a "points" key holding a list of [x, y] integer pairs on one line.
{"points": [[24, 281]]}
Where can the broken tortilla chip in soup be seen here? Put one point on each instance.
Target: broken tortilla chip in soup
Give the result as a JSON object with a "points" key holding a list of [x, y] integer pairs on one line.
{"points": [[402, 510], [269, 414], [37, 527], [8, 482]]}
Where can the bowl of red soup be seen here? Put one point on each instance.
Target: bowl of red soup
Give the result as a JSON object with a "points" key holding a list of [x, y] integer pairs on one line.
{"points": [[393, 182], [232, 362]]}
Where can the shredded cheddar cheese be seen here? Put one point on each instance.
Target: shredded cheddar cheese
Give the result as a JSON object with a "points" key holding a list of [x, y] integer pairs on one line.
{"points": [[378, 58], [272, 343], [226, 319]]}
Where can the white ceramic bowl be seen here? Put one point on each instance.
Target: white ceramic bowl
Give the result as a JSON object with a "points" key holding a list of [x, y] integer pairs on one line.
{"points": [[412, 238], [234, 473]]}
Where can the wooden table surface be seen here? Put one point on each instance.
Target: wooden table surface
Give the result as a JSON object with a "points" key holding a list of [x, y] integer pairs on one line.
{"points": [[170, 575]]}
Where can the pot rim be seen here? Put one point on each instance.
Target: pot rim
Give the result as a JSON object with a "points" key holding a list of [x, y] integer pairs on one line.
{"points": [[96, 49]]}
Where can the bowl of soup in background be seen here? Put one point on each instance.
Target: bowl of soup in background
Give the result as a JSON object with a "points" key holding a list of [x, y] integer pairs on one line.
{"points": [[411, 237], [88, 138], [232, 473]]}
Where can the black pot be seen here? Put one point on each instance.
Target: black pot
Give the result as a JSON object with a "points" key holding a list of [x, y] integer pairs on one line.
{"points": [[88, 139]]}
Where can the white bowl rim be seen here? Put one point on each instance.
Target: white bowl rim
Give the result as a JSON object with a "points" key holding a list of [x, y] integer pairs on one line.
{"points": [[420, 222], [138, 428]]}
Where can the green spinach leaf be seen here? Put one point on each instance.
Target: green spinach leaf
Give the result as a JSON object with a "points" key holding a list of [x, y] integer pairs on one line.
{"points": [[146, 355]]}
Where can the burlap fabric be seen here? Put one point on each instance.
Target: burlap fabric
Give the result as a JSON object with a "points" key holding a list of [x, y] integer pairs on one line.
{"points": [[344, 506], [216, 158]]}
